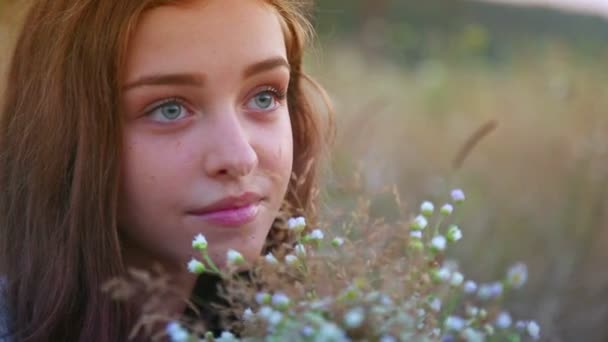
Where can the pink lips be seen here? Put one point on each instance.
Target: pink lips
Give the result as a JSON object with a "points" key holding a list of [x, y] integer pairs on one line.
{"points": [[231, 211]]}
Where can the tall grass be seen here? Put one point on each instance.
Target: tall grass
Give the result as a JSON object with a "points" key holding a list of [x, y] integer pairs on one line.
{"points": [[537, 184]]}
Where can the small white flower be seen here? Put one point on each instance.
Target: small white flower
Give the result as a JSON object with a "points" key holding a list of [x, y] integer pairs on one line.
{"points": [[330, 332], [300, 250], [439, 243], [533, 330], [388, 338], [470, 287], [416, 234], [296, 223], [262, 298], [472, 335], [291, 259], [427, 208], [265, 312], [248, 314], [521, 326], [354, 317], [226, 336], [199, 243], [307, 331], [275, 318], [472, 311], [234, 258], [280, 301], [435, 304], [446, 209], [489, 291], [419, 223], [497, 289], [454, 233], [195, 266], [454, 323], [485, 292], [458, 196], [176, 332], [316, 235], [517, 275], [457, 279], [337, 242], [270, 258], [489, 329], [444, 274], [503, 321]]}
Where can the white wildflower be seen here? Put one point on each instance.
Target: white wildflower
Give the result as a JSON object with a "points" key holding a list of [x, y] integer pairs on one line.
{"points": [[419, 223], [470, 287], [458, 196], [176, 332], [262, 298], [387, 338], [280, 301], [457, 279], [226, 336], [489, 328], [472, 335], [472, 311], [438, 243], [503, 321], [427, 208], [270, 258], [275, 318], [195, 266], [416, 234], [435, 304], [331, 332], [291, 259], [234, 258], [443, 274], [354, 318], [300, 250], [248, 314], [307, 331], [454, 323], [446, 209], [199, 243], [316, 235], [296, 223], [265, 312], [517, 275], [533, 330], [454, 233], [337, 242]]}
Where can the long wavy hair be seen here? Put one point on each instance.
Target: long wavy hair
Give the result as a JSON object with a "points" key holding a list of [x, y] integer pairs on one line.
{"points": [[60, 143]]}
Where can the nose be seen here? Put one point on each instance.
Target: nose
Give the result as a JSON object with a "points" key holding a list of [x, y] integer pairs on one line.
{"points": [[231, 153]]}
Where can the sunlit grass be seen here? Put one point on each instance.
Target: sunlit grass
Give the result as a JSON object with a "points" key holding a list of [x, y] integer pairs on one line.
{"points": [[537, 185]]}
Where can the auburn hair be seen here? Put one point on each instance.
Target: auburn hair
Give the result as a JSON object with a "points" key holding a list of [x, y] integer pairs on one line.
{"points": [[60, 145]]}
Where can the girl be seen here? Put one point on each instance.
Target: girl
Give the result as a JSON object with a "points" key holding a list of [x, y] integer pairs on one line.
{"points": [[129, 126]]}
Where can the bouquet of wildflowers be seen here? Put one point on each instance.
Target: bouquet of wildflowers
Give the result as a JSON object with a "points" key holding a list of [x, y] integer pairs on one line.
{"points": [[371, 281]]}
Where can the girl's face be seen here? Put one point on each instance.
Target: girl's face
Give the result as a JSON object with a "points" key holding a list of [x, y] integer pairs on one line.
{"points": [[208, 142]]}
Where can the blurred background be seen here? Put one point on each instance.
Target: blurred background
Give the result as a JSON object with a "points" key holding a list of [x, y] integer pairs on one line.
{"points": [[413, 81]]}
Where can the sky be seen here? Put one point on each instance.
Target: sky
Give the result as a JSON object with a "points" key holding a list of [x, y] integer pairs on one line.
{"points": [[598, 7]]}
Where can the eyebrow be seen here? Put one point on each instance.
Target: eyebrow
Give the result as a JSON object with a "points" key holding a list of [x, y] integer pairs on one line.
{"points": [[198, 79]]}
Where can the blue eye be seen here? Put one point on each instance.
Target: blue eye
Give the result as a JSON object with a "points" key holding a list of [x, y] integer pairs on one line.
{"points": [[266, 100], [171, 110]]}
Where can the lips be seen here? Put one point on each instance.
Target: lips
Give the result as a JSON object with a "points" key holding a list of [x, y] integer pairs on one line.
{"points": [[231, 211]]}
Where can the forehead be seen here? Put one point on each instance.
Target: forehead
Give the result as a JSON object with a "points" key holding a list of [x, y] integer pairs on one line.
{"points": [[214, 35]]}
